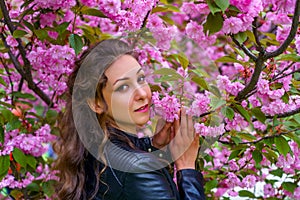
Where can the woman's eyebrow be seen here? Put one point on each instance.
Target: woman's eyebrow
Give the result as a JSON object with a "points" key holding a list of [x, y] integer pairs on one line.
{"points": [[126, 78]]}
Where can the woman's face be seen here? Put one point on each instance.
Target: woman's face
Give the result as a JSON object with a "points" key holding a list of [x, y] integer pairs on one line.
{"points": [[127, 94]]}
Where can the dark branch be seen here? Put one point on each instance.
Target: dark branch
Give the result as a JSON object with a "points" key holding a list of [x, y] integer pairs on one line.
{"points": [[256, 141], [244, 48], [291, 35], [30, 82], [254, 79], [281, 72], [254, 29], [287, 114], [285, 75]]}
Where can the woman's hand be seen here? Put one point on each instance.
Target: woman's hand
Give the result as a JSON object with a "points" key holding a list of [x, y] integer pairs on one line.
{"points": [[184, 147], [164, 134]]}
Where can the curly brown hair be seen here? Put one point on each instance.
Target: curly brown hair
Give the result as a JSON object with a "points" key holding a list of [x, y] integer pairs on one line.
{"points": [[73, 147]]}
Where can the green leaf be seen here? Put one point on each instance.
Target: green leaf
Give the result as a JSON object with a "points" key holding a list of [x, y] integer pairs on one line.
{"points": [[28, 25], [7, 114], [2, 82], [234, 154], [216, 102], [4, 165], [243, 112], [241, 37], [1, 135], [24, 95], [33, 187], [223, 4], [213, 7], [228, 59], [236, 140], [165, 8], [289, 186], [258, 114], [246, 193], [270, 155], [288, 57], [294, 137], [183, 60], [19, 157], [228, 112], [76, 43], [169, 72], [213, 89], [211, 185], [31, 161], [13, 124], [62, 27], [92, 12], [19, 33], [246, 136], [42, 34], [257, 156], [277, 172], [201, 82], [214, 23], [282, 145], [48, 187]]}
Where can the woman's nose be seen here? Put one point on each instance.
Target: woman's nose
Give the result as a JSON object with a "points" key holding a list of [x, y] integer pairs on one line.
{"points": [[140, 92]]}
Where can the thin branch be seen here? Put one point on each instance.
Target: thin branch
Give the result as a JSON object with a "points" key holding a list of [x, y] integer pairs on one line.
{"points": [[291, 35], [30, 82], [254, 29], [244, 48], [287, 114], [281, 72], [10, 80], [256, 141], [285, 75], [254, 79], [12, 28]]}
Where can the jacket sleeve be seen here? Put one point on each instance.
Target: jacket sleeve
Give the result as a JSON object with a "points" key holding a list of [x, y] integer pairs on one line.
{"points": [[190, 184]]}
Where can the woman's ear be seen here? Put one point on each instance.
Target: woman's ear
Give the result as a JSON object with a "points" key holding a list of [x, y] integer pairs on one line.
{"points": [[96, 105]]}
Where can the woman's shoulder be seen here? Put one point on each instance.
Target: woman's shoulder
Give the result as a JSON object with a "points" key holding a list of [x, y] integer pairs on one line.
{"points": [[126, 159]]}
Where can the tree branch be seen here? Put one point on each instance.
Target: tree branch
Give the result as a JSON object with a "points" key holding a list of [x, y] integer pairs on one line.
{"points": [[254, 79], [244, 48], [256, 141], [12, 28], [287, 114], [254, 29], [30, 82], [285, 75], [291, 35]]}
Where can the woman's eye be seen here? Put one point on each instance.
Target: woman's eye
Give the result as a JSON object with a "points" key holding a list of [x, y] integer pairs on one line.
{"points": [[142, 79], [122, 88]]}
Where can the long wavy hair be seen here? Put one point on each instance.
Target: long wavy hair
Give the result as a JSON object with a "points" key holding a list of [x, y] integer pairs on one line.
{"points": [[71, 149]]}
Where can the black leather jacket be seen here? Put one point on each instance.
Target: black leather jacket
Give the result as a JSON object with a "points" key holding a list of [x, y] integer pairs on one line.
{"points": [[134, 174]]}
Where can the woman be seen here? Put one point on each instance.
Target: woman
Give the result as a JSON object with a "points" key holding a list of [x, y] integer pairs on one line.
{"points": [[99, 153]]}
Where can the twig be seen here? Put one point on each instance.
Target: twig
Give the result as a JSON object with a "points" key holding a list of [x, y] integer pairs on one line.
{"points": [[281, 72], [30, 82], [254, 29], [244, 48], [254, 79], [10, 80], [285, 75], [291, 35], [287, 114], [256, 141]]}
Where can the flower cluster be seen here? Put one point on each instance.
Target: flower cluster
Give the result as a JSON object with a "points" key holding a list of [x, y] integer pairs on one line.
{"points": [[51, 64], [54, 4], [200, 105], [168, 107], [233, 88], [210, 131]]}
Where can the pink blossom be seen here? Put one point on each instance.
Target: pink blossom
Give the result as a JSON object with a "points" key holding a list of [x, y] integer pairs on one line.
{"points": [[232, 25], [269, 191], [276, 94], [232, 180], [259, 125], [210, 131], [297, 193], [47, 19], [249, 181], [168, 107], [263, 86], [237, 123], [199, 106], [282, 32], [11, 41], [297, 43]]}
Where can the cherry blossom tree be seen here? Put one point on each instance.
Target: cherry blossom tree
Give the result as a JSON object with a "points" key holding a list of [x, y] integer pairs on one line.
{"points": [[234, 64]]}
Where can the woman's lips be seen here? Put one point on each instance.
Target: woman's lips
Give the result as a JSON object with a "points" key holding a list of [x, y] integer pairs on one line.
{"points": [[142, 109]]}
